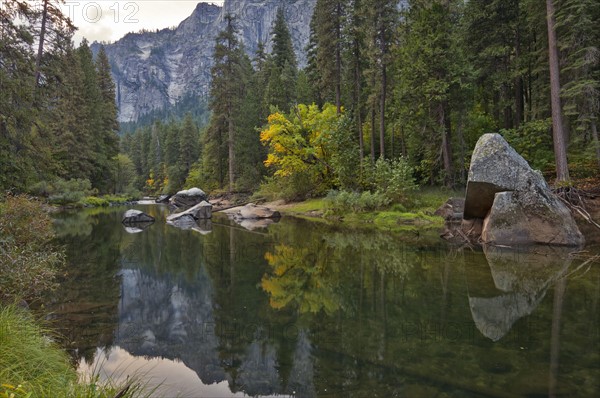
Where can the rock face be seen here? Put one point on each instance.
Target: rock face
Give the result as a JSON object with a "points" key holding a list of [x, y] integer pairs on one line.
{"points": [[515, 202], [188, 198], [155, 70], [132, 217]]}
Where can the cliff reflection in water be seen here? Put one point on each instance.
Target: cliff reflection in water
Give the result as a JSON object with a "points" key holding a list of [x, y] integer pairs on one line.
{"points": [[313, 310]]}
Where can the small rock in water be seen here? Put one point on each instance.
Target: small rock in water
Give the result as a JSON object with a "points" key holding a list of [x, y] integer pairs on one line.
{"points": [[136, 217]]}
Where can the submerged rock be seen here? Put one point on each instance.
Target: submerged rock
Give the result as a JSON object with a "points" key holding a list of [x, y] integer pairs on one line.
{"points": [[136, 217], [515, 202]]}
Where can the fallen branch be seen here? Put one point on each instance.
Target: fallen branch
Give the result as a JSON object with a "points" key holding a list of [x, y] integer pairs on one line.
{"points": [[572, 198]]}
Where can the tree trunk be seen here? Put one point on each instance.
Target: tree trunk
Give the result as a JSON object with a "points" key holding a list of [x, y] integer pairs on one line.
{"points": [[230, 145], [38, 58], [560, 147], [372, 135], [519, 104], [382, 99], [383, 94], [357, 108], [595, 139], [338, 58], [446, 148]]}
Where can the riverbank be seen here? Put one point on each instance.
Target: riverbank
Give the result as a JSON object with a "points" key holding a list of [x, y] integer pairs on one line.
{"points": [[417, 216], [33, 365]]}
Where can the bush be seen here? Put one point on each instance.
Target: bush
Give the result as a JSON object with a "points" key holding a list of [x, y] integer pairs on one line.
{"points": [[392, 178], [94, 201], [533, 141], [28, 260], [340, 202], [295, 187], [63, 192]]}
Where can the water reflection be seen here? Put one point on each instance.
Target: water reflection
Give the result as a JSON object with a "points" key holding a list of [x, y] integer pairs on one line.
{"points": [[522, 278], [313, 310]]}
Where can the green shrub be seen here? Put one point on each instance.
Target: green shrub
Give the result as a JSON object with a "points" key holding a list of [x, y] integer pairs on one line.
{"points": [[340, 202], [94, 201], [63, 192], [533, 141], [28, 260], [393, 178]]}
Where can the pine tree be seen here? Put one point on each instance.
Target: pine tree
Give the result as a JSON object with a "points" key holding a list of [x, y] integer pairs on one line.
{"points": [[283, 49], [579, 36], [560, 144], [54, 28], [281, 88], [326, 29], [226, 93], [108, 125], [428, 70], [381, 16]]}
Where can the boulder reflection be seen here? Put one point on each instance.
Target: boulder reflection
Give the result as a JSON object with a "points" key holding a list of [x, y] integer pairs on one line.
{"points": [[522, 277]]}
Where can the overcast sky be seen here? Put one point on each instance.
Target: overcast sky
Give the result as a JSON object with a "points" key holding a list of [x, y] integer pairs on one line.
{"points": [[109, 20]]}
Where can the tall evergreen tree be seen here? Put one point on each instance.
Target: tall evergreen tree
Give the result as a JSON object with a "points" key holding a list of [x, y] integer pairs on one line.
{"points": [[381, 17], [560, 145], [281, 89], [428, 71], [327, 26], [226, 94]]}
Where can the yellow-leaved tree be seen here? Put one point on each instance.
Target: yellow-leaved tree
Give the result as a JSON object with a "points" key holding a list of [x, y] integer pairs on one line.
{"points": [[301, 145]]}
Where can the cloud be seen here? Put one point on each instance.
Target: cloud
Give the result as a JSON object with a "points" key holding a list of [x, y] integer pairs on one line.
{"points": [[109, 20]]}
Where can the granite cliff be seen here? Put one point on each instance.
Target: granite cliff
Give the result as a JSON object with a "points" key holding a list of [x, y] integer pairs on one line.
{"points": [[154, 70]]}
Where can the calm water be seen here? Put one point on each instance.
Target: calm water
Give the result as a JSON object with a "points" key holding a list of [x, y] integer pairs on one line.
{"points": [[306, 309]]}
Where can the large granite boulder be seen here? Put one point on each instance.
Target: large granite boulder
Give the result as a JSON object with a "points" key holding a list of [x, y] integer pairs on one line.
{"points": [[515, 202], [136, 217], [188, 198]]}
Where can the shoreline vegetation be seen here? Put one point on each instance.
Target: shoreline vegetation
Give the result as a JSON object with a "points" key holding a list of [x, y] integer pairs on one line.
{"points": [[31, 363]]}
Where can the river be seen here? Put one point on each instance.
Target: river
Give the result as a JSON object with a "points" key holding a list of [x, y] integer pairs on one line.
{"points": [[307, 309]]}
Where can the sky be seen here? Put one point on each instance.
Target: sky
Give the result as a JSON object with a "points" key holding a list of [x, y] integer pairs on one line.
{"points": [[109, 20]]}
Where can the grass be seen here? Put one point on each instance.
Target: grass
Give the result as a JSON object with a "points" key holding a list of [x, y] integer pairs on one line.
{"points": [[416, 216], [32, 365]]}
